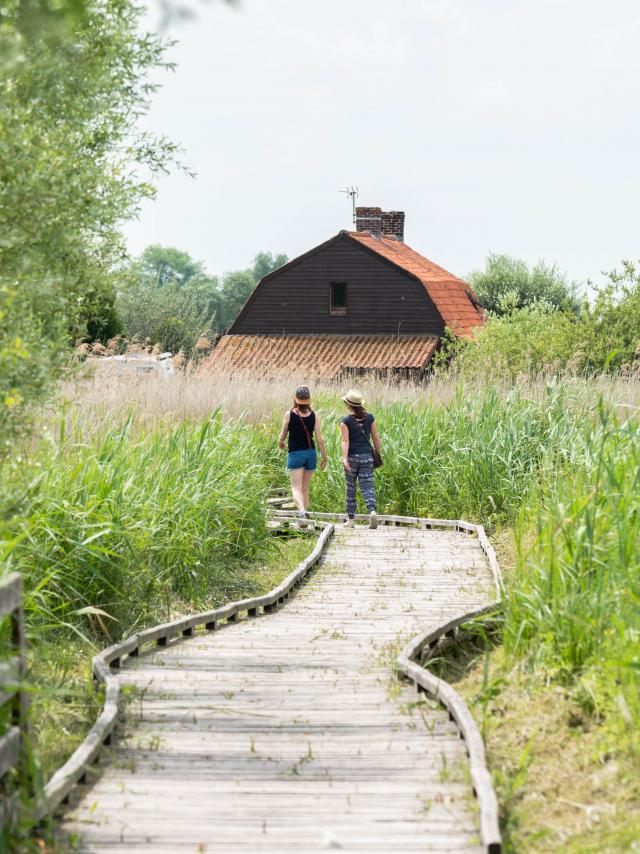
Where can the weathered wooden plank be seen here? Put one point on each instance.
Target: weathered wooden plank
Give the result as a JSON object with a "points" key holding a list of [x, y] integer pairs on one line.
{"points": [[416, 521], [75, 768], [302, 701], [77, 765], [113, 654], [12, 744], [493, 562], [444, 693]]}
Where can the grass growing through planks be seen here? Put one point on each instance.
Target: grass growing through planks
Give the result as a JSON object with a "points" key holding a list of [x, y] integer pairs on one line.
{"points": [[64, 703]]}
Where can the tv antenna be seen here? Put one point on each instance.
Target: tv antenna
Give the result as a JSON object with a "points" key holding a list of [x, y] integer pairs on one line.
{"points": [[352, 192]]}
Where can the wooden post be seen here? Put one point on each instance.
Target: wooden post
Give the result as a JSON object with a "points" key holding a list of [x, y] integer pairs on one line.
{"points": [[14, 743], [20, 701]]}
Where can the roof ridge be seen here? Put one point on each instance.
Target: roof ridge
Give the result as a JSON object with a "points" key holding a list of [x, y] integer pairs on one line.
{"points": [[452, 296]]}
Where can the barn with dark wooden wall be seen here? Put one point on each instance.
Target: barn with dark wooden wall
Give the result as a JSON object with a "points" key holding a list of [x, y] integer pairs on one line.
{"points": [[362, 301]]}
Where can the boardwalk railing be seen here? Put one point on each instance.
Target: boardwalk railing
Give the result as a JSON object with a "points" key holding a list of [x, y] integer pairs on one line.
{"points": [[12, 673], [75, 769], [410, 663]]}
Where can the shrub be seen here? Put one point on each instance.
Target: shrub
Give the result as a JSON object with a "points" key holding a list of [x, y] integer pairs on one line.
{"points": [[611, 328], [540, 338], [31, 356], [532, 340], [168, 297], [507, 284]]}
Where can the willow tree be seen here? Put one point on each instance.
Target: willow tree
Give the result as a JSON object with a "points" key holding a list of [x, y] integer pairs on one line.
{"points": [[73, 167]]}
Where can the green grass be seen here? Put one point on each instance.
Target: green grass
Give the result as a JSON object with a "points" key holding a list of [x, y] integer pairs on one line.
{"points": [[127, 521], [573, 611], [130, 516], [481, 457]]}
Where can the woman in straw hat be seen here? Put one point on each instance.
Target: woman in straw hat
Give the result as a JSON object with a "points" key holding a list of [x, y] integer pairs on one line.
{"points": [[358, 430], [301, 424]]}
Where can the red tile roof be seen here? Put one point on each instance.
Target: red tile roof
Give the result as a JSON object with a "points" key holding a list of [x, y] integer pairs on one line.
{"points": [[321, 355], [448, 292]]}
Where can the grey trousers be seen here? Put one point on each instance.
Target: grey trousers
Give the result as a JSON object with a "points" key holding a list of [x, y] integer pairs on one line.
{"points": [[361, 466]]}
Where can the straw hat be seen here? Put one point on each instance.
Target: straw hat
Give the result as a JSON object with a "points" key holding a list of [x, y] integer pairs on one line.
{"points": [[353, 398], [302, 394]]}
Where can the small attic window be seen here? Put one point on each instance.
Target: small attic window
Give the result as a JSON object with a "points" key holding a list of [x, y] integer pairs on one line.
{"points": [[338, 303]]}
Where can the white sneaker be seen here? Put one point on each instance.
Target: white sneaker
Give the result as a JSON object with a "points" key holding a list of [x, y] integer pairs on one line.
{"points": [[373, 520], [350, 523]]}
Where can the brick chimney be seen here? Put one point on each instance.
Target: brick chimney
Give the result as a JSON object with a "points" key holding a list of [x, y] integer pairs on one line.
{"points": [[369, 219], [381, 223], [393, 224]]}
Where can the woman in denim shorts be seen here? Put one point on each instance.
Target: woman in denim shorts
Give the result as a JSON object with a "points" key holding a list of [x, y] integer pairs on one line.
{"points": [[301, 424]]}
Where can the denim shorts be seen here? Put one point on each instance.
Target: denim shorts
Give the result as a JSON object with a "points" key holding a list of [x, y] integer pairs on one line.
{"points": [[306, 459]]}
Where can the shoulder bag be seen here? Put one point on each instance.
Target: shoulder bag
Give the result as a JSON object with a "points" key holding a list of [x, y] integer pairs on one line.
{"points": [[377, 459]]}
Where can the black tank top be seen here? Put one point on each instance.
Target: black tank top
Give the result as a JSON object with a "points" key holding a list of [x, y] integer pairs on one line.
{"points": [[359, 442], [298, 440]]}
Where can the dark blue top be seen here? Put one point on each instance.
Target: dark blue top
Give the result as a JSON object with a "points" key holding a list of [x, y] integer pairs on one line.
{"points": [[299, 440], [357, 442]]}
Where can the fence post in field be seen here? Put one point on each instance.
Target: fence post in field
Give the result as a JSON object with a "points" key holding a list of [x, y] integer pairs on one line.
{"points": [[13, 742]]}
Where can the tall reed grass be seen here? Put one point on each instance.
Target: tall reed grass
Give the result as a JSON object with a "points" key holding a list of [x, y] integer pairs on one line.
{"points": [[132, 515], [573, 611], [137, 497], [119, 507], [479, 456], [193, 395]]}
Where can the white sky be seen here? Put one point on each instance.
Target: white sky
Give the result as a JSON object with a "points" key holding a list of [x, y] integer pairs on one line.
{"points": [[497, 125]]}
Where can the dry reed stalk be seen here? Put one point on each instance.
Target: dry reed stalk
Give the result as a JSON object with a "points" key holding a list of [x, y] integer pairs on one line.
{"points": [[195, 395]]}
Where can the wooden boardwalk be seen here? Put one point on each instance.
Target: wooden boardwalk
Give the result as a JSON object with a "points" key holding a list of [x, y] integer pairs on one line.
{"points": [[289, 732]]}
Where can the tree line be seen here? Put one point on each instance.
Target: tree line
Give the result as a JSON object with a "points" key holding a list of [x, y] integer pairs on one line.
{"points": [[74, 79], [169, 298], [539, 321]]}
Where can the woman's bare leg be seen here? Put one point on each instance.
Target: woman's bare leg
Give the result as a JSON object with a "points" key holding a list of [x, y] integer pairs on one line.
{"points": [[296, 487], [306, 479]]}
